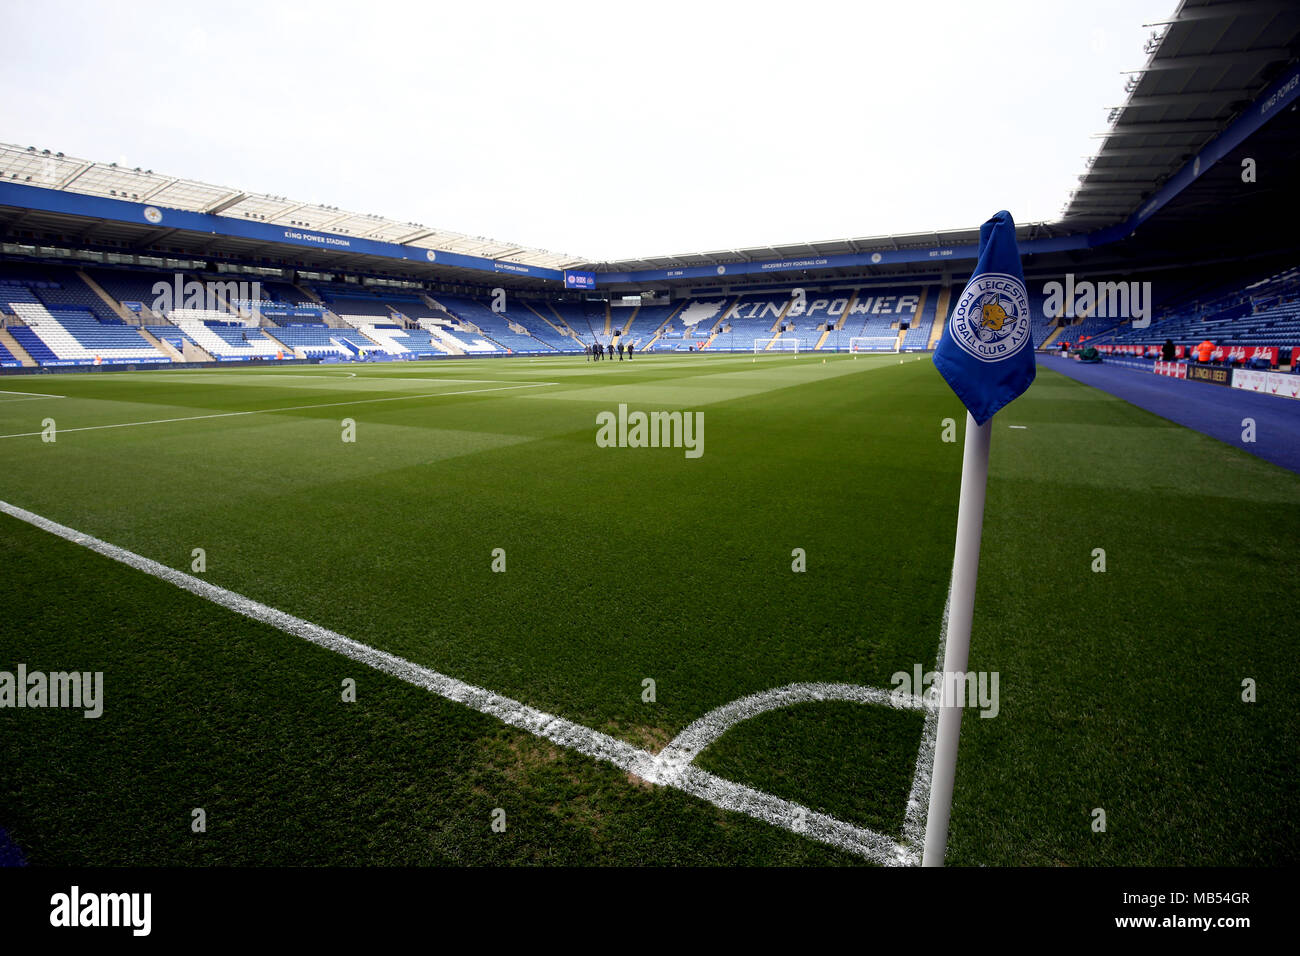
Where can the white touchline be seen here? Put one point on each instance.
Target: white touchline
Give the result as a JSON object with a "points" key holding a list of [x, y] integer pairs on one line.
{"points": [[672, 767], [293, 408]]}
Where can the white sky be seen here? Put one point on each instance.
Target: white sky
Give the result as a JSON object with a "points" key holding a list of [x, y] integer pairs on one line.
{"points": [[605, 130]]}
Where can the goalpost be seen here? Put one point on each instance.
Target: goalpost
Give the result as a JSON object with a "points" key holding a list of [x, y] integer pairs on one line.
{"points": [[874, 343], [779, 344]]}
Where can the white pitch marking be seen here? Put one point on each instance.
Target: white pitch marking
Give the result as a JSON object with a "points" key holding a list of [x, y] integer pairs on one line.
{"points": [[384, 379], [688, 745], [28, 395], [918, 800], [725, 794], [1017, 426], [378, 378], [292, 408]]}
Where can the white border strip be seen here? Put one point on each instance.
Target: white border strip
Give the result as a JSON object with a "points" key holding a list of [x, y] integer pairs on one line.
{"points": [[670, 768]]}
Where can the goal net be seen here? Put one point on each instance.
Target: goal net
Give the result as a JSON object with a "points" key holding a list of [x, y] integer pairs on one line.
{"points": [[780, 344], [873, 343]]}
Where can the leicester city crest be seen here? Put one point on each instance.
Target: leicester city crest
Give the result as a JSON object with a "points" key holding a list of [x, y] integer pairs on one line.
{"points": [[991, 320]]}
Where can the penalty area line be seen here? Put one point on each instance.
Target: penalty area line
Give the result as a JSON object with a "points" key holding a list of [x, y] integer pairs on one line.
{"points": [[665, 768]]}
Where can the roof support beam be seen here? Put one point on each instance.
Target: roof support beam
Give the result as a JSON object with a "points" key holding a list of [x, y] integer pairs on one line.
{"points": [[1175, 99], [221, 205], [150, 193], [77, 174], [1181, 150], [1141, 129], [1117, 186], [1146, 172]]}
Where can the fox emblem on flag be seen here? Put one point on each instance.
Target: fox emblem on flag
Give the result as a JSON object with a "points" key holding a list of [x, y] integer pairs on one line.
{"points": [[986, 353]]}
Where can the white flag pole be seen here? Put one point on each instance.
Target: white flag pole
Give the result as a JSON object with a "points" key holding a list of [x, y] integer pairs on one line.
{"points": [[965, 570]]}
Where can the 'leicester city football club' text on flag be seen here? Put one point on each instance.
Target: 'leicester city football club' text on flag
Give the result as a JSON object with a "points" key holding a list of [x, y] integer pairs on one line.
{"points": [[986, 354]]}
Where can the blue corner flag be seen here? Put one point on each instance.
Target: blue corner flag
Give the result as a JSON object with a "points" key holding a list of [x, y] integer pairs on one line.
{"points": [[986, 354]]}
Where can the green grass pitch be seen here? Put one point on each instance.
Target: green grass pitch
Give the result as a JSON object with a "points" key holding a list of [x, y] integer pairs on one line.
{"points": [[1118, 690]]}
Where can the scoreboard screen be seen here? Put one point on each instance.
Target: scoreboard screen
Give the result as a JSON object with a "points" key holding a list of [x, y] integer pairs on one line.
{"points": [[579, 280]]}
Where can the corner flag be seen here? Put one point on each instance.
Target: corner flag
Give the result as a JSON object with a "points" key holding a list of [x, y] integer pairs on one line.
{"points": [[986, 356]]}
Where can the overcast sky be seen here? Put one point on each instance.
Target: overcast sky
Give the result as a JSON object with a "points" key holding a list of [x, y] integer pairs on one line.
{"points": [[605, 130]]}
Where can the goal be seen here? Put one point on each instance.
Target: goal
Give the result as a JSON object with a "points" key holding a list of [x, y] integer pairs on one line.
{"points": [[779, 344], [873, 343]]}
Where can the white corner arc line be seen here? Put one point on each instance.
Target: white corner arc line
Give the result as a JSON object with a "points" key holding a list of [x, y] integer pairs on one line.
{"points": [[725, 794], [687, 745], [272, 411]]}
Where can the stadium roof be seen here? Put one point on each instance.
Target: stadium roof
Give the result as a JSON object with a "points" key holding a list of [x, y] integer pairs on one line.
{"points": [[828, 247], [1164, 187], [51, 170], [1207, 63]]}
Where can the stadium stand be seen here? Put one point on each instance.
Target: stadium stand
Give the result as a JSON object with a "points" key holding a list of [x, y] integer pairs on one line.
{"points": [[221, 339], [1259, 312], [543, 324], [646, 323], [587, 320], [107, 340], [38, 350], [56, 288], [323, 340], [458, 340], [418, 342], [171, 334], [497, 328], [73, 335], [282, 293], [129, 285]]}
